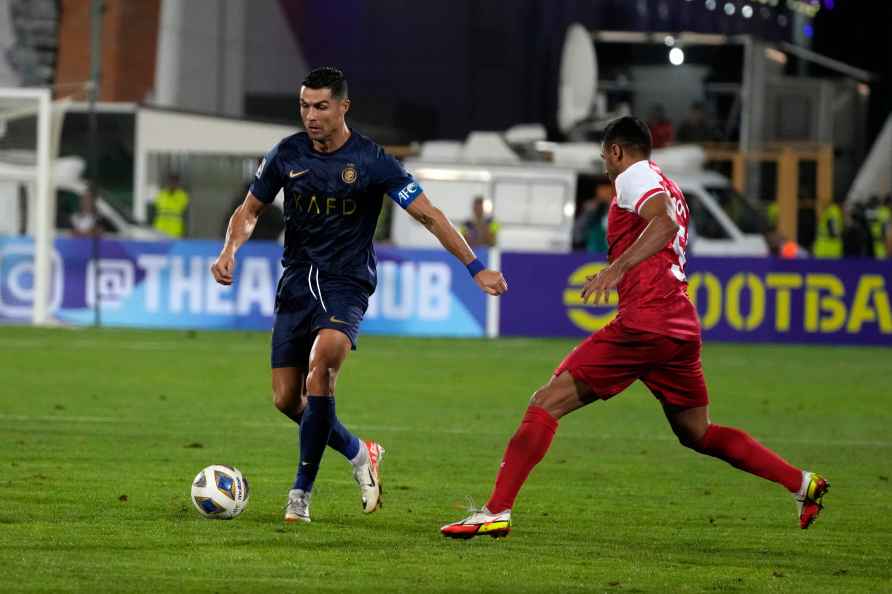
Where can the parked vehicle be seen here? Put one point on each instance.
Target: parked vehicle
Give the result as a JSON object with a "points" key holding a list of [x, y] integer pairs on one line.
{"points": [[17, 187], [535, 203]]}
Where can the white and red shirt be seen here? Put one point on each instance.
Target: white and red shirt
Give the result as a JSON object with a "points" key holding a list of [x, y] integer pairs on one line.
{"points": [[653, 296]]}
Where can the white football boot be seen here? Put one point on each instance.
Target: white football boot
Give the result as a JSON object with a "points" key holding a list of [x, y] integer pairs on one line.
{"points": [[367, 475], [298, 508], [480, 522]]}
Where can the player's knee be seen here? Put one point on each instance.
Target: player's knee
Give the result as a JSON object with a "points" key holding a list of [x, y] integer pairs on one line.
{"points": [[279, 401], [317, 378], [284, 396], [332, 377], [282, 402], [538, 398], [686, 441], [547, 398], [321, 379], [288, 396], [690, 437]]}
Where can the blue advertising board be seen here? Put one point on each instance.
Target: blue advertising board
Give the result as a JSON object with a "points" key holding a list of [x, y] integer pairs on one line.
{"points": [[168, 285], [738, 299], [428, 293]]}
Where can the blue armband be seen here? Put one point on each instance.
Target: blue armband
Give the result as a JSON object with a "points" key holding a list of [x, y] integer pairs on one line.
{"points": [[475, 266]]}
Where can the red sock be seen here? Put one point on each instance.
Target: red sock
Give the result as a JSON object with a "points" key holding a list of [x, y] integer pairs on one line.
{"points": [[526, 448], [738, 449]]}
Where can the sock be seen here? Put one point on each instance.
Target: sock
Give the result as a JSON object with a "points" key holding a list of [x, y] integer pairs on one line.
{"points": [[741, 451], [340, 440], [343, 441], [362, 455], [525, 449], [315, 430]]}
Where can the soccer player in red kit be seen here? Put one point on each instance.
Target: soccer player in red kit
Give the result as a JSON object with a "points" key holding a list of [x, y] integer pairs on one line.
{"points": [[655, 337]]}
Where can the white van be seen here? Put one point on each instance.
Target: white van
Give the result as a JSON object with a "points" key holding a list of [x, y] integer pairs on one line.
{"points": [[724, 222], [17, 187], [535, 204]]}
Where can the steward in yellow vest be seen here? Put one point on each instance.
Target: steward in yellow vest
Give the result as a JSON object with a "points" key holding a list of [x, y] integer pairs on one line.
{"points": [[880, 224], [828, 243], [170, 209]]}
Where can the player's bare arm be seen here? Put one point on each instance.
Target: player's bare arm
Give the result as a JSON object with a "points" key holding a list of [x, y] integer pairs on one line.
{"points": [[660, 230], [423, 211], [241, 226]]}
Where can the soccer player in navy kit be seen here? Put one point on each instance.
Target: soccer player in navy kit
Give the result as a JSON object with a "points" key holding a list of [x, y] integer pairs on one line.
{"points": [[334, 180]]}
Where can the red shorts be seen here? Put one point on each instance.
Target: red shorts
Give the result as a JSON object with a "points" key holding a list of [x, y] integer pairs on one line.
{"points": [[615, 356]]}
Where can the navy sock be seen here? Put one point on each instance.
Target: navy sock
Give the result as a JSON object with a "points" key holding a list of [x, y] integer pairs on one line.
{"points": [[315, 429], [340, 440]]}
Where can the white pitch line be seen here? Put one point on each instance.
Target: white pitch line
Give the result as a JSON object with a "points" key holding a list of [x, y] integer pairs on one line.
{"points": [[16, 344], [607, 436], [457, 431], [63, 419]]}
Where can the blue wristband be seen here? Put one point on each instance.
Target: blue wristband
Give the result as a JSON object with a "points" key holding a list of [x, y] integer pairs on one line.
{"points": [[475, 266]]}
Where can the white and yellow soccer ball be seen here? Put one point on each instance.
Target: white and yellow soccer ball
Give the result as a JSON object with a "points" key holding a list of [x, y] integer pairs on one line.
{"points": [[220, 492]]}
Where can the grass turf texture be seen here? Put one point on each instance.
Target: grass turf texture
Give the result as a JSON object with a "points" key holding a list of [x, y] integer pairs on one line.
{"points": [[101, 433]]}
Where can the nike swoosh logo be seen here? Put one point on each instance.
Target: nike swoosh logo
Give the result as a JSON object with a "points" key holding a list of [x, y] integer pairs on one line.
{"points": [[336, 320], [292, 174], [371, 478]]}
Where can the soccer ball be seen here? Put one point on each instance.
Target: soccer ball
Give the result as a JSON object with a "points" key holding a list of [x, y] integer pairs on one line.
{"points": [[220, 492]]}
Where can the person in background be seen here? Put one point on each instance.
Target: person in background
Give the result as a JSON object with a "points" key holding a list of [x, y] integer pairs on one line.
{"points": [[828, 242], [696, 127], [880, 217], [171, 208], [781, 247], [660, 127], [856, 238], [889, 227], [772, 213], [83, 222], [583, 224], [590, 228], [480, 229]]}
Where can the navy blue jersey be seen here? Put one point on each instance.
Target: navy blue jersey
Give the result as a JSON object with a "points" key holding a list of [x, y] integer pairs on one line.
{"points": [[332, 202]]}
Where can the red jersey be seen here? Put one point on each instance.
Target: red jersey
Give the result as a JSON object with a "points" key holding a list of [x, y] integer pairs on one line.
{"points": [[653, 296]]}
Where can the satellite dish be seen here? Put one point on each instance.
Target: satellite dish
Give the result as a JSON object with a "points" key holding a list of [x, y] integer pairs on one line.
{"points": [[579, 77]]}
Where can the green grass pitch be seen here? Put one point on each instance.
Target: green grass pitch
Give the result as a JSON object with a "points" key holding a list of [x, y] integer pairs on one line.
{"points": [[101, 433]]}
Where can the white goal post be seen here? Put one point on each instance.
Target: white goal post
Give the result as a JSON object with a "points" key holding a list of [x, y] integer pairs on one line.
{"points": [[31, 165]]}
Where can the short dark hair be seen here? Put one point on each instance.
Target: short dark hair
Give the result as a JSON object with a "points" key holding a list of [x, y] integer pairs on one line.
{"points": [[629, 132], [327, 77]]}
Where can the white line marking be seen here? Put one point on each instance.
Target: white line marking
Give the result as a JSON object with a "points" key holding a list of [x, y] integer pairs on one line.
{"points": [[143, 345], [453, 431], [70, 419], [568, 435], [310, 281], [325, 309]]}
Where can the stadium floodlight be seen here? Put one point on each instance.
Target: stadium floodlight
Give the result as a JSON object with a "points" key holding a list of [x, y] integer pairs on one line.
{"points": [[26, 149], [676, 56]]}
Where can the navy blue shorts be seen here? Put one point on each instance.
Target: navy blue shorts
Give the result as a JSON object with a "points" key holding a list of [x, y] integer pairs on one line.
{"points": [[306, 302]]}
